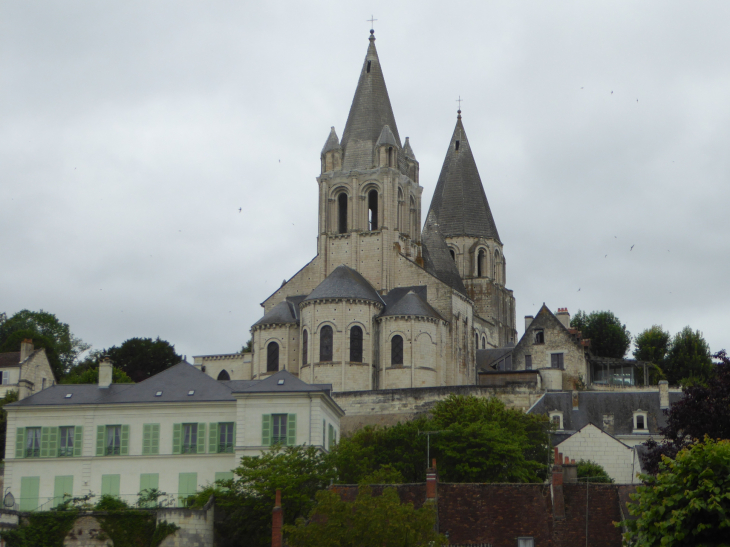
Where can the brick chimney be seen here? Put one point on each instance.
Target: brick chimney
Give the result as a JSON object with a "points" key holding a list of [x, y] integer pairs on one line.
{"points": [[564, 317], [431, 482], [277, 521], [105, 373], [663, 394], [556, 488], [26, 348]]}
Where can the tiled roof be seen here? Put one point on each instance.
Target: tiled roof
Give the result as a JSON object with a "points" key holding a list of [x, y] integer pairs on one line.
{"points": [[459, 201], [284, 312], [436, 256], [386, 137], [344, 282], [413, 305], [10, 359]]}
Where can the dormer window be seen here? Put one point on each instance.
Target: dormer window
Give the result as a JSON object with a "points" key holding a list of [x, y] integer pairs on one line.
{"points": [[158, 394], [539, 336], [640, 422], [556, 418]]}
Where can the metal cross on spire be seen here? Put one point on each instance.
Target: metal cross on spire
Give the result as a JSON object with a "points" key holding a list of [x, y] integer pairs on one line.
{"points": [[371, 21], [459, 101]]}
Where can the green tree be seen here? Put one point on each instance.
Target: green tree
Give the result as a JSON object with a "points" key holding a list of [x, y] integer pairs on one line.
{"points": [[13, 341], [10, 397], [141, 358], [688, 359], [368, 521], [91, 376], [588, 469], [687, 502], [609, 338], [247, 346], [652, 345], [44, 324], [298, 471]]}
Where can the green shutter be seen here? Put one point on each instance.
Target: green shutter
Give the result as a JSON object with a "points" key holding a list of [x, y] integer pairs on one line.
{"points": [[266, 430], [223, 476], [148, 481], [234, 437], [187, 486], [53, 443], [100, 430], [155, 445], [176, 438], [291, 430], [78, 440], [125, 441], [19, 442], [45, 434], [29, 488], [324, 434], [213, 438], [63, 484], [110, 485], [201, 439], [146, 439], [331, 432]]}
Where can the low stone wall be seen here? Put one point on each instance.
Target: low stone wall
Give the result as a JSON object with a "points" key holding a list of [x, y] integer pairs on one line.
{"points": [[196, 526], [387, 407], [86, 532]]}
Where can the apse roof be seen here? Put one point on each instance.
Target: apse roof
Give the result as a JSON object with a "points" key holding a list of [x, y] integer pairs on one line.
{"points": [[344, 282], [284, 312], [412, 304]]}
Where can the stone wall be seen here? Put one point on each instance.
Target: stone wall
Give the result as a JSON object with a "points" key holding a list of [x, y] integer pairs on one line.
{"points": [[196, 526], [86, 532], [389, 406]]}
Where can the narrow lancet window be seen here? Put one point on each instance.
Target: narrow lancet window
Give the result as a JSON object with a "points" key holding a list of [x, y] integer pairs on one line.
{"points": [[368, 69], [356, 345], [325, 343], [480, 263], [305, 347], [456, 147], [272, 357], [342, 213], [373, 210]]}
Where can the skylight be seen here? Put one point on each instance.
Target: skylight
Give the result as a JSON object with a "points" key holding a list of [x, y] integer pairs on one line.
{"points": [[281, 382], [191, 392], [158, 394], [68, 395]]}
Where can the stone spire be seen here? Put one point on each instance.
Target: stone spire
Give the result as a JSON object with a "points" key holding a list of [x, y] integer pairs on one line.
{"points": [[459, 202], [407, 150], [370, 111], [333, 143]]}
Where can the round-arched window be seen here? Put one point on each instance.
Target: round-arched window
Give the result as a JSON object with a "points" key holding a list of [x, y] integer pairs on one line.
{"points": [[396, 350], [325, 343], [356, 344], [305, 347], [272, 357]]}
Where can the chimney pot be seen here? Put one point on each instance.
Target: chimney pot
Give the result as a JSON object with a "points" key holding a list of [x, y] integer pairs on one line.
{"points": [[528, 321], [564, 317], [105, 373], [26, 348]]}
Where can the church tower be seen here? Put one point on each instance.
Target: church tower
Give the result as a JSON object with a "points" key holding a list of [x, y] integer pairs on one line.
{"points": [[369, 196], [465, 220]]}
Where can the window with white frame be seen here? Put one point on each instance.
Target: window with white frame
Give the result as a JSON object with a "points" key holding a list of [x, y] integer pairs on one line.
{"points": [[6, 377], [556, 418], [640, 422], [525, 542]]}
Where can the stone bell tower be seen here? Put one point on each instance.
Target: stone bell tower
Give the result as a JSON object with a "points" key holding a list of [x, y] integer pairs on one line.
{"points": [[369, 196]]}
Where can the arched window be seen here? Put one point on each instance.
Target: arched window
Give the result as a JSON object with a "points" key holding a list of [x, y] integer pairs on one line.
{"points": [[476, 340], [481, 257], [373, 210], [272, 357], [356, 344], [342, 213], [223, 375], [396, 350], [484, 342], [305, 347], [401, 209], [414, 222], [325, 343], [495, 266], [390, 156]]}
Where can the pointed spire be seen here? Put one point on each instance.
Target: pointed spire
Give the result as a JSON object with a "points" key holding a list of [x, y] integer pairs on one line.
{"points": [[407, 150], [333, 142], [386, 137], [370, 111], [436, 256], [459, 201]]}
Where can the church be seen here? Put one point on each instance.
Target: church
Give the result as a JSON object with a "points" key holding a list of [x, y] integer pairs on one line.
{"points": [[387, 303]]}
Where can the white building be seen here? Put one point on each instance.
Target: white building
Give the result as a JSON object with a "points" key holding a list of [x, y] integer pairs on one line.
{"points": [[177, 431]]}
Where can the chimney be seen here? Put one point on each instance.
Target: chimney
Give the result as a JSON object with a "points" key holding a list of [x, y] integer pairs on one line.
{"points": [[663, 394], [277, 521], [528, 321], [26, 348], [576, 400], [570, 471], [564, 317], [105, 373], [431, 482], [556, 488]]}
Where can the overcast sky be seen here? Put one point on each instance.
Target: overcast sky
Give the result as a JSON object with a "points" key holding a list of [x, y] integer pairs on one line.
{"points": [[132, 131]]}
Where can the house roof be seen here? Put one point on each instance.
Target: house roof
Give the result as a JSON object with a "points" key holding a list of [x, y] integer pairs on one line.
{"points": [[487, 357], [344, 282], [592, 405], [10, 359], [436, 256], [175, 385], [411, 304], [459, 201], [370, 111]]}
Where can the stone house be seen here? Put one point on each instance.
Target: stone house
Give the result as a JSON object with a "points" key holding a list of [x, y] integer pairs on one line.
{"points": [[176, 431], [386, 304], [26, 371]]}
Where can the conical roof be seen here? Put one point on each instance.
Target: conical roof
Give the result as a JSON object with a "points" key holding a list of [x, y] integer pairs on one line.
{"points": [[407, 150], [436, 256], [344, 282], [386, 137], [282, 313], [333, 142], [412, 304], [459, 201], [370, 111]]}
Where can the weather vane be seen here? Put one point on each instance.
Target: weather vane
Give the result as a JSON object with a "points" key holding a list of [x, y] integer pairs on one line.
{"points": [[371, 21]]}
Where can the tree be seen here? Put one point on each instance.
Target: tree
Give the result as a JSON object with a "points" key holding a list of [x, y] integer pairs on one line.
{"points": [[45, 324], [592, 471], [687, 502], [13, 341], [299, 471], [91, 376], [10, 397], [369, 521], [141, 358], [688, 358], [247, 346], [704, 410], [652, 345], [609, 338]]}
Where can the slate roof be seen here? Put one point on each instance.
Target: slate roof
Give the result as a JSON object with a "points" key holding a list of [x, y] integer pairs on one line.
{"points": [[487, 357], [175, 383], [397, 293], [344, 282], [386, 137], [459, 201], [407, 150], [284, 312], [411, 304], [333, 142], [592, 405], [10, 359], [370, 111], [436, 256]]}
